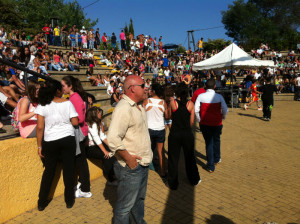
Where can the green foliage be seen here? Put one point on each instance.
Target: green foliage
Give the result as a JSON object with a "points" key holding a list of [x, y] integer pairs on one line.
{"points": [[263, 21], [180, 49], [36, 13], [217, 44], [131, 29], [126, 30], [10, 18]]}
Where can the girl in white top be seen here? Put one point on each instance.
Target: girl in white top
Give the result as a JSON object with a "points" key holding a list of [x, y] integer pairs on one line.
{"points": [[55, 120], [98, 145], [156, 111]]}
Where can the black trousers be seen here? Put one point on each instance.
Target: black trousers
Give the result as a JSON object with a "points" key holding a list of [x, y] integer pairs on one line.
{"points": [[53, 151], [181, 139], [96, 153], [266, 109], [83, 168]]}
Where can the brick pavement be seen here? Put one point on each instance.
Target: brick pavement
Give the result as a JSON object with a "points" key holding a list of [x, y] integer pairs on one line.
{"points": [[258, 180]]}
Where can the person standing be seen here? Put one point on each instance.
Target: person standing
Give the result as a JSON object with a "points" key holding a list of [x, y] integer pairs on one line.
{"points": [[181, 136], [57, 36], [200, 45], [157, 110], [129, 140], [104, 40], [123, 39], [210, 110], [267, 98], [73, 87], [56, 117], [113, 40]]}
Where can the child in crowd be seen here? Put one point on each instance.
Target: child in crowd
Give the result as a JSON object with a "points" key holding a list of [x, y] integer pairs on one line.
{"points": [[253, 88], [98, 145]]}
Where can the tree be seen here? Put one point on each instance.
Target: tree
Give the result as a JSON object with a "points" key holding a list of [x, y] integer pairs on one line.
{"points": [[263, 21], [10, 18], [131, 29], [35, 13], [180, 49], [217, 44], [126, 31]]}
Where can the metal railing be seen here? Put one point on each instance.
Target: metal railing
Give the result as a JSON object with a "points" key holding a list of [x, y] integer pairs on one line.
{"points": [[25, 70]]}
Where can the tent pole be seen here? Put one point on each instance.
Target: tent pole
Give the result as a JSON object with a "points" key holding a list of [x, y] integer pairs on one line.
{"points": [[231, 84]]}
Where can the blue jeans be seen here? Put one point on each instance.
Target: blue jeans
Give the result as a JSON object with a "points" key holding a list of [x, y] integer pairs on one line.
{"points": [[132, 189], [113, 45], [211, 135]]}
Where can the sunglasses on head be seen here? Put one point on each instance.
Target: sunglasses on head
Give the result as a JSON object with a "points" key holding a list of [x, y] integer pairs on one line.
{"points": [[141, 85]]}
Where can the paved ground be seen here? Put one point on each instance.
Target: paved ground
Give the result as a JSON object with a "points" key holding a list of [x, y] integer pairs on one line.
{"points": [[258, 180]]}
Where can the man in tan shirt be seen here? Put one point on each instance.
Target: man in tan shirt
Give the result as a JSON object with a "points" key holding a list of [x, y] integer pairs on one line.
{"points": [[129, 140]]}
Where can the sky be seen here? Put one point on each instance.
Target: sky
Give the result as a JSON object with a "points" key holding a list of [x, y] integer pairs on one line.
{"points": [[168, 18]]}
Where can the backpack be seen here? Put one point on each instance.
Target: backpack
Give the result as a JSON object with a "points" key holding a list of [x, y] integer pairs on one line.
{"points": [[15, 114]]}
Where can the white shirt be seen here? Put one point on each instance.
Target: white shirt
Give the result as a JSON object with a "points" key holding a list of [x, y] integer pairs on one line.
{"points": [[167, 73], [298, 80], [57, 119], [110, 88], [94, 136], [257, 75]]}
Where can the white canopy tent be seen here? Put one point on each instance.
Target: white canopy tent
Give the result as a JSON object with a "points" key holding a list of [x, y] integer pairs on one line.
{"points": [[229, 58]]}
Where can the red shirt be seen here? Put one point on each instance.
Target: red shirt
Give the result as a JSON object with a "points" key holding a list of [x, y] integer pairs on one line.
{"points": [[46, 29], [253, 89], [197, 93], [104, 39]]}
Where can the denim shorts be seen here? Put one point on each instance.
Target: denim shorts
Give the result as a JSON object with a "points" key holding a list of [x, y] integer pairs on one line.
{"points": [[157, 136], [168, 121], [4, 83]]}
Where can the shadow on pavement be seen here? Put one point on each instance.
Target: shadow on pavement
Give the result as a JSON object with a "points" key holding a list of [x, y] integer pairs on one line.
{"points": [[251, 115], [180, 203], [218, 219], [199, 156]]}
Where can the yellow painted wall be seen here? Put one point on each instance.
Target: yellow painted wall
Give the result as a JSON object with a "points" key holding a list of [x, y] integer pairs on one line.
{"points": [[20, 175]]}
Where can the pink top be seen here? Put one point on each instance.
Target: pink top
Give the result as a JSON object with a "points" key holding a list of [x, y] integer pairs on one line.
{"points": [[27, 127], [122, 36], [56, 58], [80, 108], [84, 39]]}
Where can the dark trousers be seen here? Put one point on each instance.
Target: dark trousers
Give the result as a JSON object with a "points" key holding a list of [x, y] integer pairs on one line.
{"points": [[57, 41], [177, 140], [53, 151], [267, 109], [123, 45], [211, 135], [83, 168], [108, 164]]}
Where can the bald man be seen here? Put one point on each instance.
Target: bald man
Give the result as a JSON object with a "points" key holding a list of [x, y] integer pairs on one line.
{"points": [[128, 138]]}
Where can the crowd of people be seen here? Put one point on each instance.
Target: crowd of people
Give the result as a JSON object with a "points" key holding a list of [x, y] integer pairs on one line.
{"points": [[72, 130]]}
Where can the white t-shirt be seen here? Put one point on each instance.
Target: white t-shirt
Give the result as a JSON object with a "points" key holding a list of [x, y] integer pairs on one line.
{"points": [[110, 88], [167, 73], [298, 80], [57, 119], [257, 75]]}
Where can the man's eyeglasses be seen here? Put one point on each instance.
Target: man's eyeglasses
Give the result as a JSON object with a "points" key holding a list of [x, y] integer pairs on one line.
{"points": [[141, 85]]}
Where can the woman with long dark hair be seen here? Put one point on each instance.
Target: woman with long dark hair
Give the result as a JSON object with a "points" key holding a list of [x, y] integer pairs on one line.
{"points": [[98, 145], [181, 136], [56, 117], [26, 110], [73, 87]]}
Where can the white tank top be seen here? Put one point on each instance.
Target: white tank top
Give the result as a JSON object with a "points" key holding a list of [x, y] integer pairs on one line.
{"points": [[155, 114]]}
